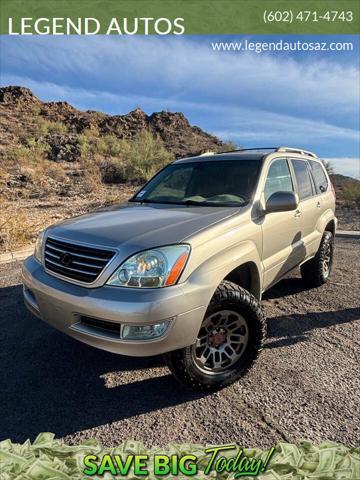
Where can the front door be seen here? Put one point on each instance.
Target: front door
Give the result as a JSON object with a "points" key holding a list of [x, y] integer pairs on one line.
{"points": [[283, 247]]}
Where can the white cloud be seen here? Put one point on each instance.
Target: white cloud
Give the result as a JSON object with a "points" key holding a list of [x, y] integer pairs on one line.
{"points": [[252, 99], [184, 68], [346, 166]]}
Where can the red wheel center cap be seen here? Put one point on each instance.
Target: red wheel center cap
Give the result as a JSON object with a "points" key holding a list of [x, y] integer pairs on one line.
{"points": [[217, 338]]}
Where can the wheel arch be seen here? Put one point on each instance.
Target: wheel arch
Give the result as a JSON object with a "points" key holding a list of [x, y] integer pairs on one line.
{"points": [[330, 227], [246, 275]]}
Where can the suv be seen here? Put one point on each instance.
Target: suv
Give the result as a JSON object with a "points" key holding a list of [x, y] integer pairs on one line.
{"points": [[180, 268]]}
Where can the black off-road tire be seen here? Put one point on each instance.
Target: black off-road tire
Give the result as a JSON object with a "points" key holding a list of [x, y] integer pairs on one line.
{"points": [[228, 296], [313, 271]]}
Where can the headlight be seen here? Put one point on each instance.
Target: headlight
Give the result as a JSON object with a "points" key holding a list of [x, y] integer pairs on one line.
{"points": [[38, 247], [159, 267]]}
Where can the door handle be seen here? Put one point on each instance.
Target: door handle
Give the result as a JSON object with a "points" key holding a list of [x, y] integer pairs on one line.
{"points": [[297, 213], [318, 205]]}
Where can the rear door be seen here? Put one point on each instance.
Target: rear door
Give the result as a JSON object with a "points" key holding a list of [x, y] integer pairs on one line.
{"points": [[324, 194], [282, 243], [309, 203]]}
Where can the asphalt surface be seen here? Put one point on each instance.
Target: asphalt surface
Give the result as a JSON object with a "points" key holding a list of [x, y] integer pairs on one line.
{"points": [[305, 385]]}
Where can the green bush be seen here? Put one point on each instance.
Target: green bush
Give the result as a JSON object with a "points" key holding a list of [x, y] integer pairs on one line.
{"points": [[25, 155], [134, 160], [46, 126], [351, 194], [145, 155], [92, 144]]}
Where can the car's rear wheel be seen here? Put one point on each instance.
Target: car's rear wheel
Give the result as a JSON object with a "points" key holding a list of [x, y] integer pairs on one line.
{"points": [[316, 272], [229, 341]]}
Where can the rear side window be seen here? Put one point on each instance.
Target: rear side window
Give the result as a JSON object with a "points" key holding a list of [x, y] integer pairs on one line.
{"points": [[278, 179], [302, 179], [320, 180]]}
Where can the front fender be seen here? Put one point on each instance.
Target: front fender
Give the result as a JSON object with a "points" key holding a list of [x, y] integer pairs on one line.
{"points": [[204, 280]]}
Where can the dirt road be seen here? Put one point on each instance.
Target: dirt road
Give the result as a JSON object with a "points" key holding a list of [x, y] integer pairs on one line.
{"points": [[305, 385]]}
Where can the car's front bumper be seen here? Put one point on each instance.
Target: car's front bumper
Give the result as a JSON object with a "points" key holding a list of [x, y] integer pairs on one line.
{"points": [[63, 304]]}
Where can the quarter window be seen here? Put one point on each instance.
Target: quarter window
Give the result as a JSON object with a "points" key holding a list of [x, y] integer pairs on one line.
{"points": [[278, 179], [320, 180], [302, 179]]}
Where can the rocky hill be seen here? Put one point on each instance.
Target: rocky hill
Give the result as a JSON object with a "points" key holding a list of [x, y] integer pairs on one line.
{"points": [[57, 161], [21, 110]]}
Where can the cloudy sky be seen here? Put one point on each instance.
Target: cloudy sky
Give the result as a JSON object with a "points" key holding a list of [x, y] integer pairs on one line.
{"points": [[310, 100]]}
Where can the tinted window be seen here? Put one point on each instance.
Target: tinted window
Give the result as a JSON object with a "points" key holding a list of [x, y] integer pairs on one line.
{"points": [[278, 179], [215, 183], [321, 182], [302, 179]]}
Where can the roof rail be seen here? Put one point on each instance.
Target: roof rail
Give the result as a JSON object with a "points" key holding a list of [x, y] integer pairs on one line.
{"points": [[251, 149], [296, 150], [275, 149], [206, 154]]}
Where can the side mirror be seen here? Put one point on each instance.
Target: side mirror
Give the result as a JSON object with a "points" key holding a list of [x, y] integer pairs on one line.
{"points": [[281, 202]]}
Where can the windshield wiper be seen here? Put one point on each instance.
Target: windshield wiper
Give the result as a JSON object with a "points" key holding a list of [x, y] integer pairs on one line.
{"points": [[194, 202], [155, 201], [213, 204]]}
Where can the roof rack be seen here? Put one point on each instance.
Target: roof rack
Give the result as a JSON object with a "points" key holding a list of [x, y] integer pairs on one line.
{"points": [[296, 150], [275, 149], [251, 149]]}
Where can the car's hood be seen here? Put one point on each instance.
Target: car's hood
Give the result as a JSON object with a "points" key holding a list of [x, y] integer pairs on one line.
{"points": [[136, 227]]}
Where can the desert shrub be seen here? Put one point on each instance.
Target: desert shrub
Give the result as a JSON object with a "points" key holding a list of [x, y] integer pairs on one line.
{"points": [[46, 126], [120, 160], [351, 194], [36, 110], [112, 171], [36, 148], [90, 175], [27, 154], [15, 227], [29, 168], [56, 172], [91, 143], [145, 155], [329, 167]]}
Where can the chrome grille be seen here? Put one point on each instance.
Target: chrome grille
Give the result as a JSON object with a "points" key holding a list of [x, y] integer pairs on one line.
{"points": [[75, 261]]}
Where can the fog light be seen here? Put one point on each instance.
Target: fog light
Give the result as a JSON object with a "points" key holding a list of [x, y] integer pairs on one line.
{"points": [[144, 332]]}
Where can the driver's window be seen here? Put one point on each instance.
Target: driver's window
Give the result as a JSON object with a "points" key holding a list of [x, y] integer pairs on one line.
{"points": [[174, 185], [278, 179]]}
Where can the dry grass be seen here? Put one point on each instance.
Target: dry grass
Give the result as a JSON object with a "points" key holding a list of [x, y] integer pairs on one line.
{"points": [[15, 228], [26, 217]]}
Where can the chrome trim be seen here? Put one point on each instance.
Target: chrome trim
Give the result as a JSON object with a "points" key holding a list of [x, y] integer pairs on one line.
{"points": [[99, 281], [75, 261], [69, 268], [58, 249], [85, 330]]}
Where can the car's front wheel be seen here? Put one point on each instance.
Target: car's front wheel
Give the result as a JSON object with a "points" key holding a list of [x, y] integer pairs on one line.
{"points": [[229, 341]]}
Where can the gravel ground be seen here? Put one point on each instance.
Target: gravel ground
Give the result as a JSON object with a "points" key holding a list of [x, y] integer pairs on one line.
{"points": [[305, 385]]}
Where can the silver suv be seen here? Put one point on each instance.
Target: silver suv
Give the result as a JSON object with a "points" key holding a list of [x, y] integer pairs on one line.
{"points": [[181, 267]]}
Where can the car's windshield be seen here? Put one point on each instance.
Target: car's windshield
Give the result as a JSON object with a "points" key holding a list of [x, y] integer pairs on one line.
{"points": [[214, 183]]}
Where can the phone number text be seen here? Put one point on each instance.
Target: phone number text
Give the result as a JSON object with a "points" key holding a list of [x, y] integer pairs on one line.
{"points": [[305, 16]]}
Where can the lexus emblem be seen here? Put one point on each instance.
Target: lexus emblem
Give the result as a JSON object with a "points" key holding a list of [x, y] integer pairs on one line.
{"points": [[66, 259]]}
